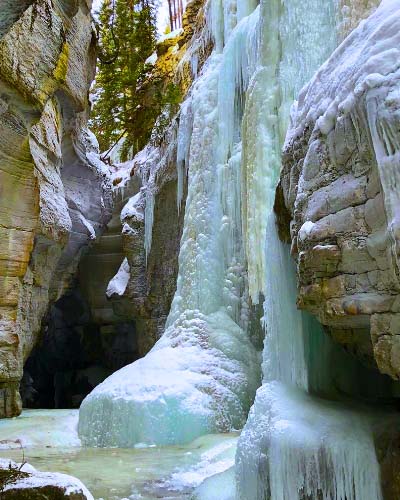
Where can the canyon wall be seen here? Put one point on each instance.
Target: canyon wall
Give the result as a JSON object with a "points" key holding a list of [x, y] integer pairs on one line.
{"points": [[55, 196], [150, 193], [60, 207]]}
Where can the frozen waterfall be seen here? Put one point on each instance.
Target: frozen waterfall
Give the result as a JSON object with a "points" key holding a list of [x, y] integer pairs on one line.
{"points": [[202, 375], [296, 445], [301, 440]]}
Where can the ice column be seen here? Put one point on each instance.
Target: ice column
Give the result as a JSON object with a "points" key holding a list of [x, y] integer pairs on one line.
{"points": [[202, 374]]}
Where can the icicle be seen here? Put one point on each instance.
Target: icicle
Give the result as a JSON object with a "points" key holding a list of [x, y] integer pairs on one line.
{"points": [[148, 221], [183, 148], [236, 69], [283, 357]]}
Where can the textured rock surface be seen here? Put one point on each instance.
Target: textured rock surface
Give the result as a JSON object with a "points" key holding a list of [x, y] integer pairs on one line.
{"points": [[29, 484], [53, 190], [352, 11], [147, 295], [173, 71], [340, 176], [147, 191]]}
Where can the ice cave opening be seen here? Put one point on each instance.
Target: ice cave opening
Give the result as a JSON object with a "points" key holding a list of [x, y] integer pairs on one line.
{"points": [[75, 353]]}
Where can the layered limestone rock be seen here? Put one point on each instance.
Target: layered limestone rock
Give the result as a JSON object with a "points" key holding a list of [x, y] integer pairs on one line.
{"points": [[339, 180], [54, 192], [152, 226], [110, 321]]}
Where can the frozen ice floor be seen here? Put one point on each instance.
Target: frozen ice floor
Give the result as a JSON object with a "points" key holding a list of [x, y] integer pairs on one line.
{"points": [[48, 440]]}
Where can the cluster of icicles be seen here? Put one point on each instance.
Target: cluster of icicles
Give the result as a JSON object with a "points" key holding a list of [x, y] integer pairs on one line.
{"points": [[202, 375]]}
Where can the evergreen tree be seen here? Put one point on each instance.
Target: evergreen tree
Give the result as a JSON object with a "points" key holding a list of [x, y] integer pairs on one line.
{"points": [[127, 36]]}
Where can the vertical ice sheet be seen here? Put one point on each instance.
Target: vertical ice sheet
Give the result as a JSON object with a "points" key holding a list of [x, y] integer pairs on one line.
{"points": [[202, 375], [293, 39]]}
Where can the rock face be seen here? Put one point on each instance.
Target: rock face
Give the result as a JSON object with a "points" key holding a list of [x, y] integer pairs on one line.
{"points": [[54, 195], [340, 185], [24, 482], [149, 196], [61, 204], [137, 279]]}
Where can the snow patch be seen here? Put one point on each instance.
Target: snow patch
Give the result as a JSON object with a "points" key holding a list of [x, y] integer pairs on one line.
{"points": [[119, 282]]}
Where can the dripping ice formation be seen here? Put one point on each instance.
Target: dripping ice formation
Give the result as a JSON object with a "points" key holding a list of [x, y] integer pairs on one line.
{"points": [[295, 444], [287, 53], [201, 376]]}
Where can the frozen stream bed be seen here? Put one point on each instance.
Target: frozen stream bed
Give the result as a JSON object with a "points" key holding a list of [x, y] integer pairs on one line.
{"points": [[47, 439]]}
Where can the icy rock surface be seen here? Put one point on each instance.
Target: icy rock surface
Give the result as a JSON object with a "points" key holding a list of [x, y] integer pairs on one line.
{"points": [[340, 177], [197, 379], [294, 445]]}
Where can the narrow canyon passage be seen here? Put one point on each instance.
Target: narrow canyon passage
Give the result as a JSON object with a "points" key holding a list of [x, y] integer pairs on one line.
{"points": [[208, 308]]}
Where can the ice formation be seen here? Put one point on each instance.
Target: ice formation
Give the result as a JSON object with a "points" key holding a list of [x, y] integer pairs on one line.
{"points": [[360, 81], [286, 53], [202, 375], [35, 428], [220, 486], [296, 445]]}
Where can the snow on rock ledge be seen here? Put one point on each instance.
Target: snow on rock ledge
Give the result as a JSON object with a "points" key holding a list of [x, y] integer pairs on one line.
{"points": [[120, 281], [34, 485]]}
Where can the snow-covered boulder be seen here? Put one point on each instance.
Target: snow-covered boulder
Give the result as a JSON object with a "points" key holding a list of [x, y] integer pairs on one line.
{"points": [[24, 482]]}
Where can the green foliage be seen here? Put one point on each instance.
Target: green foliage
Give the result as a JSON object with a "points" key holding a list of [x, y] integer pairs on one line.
{"points": [[127, 36], [168, 101]]}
